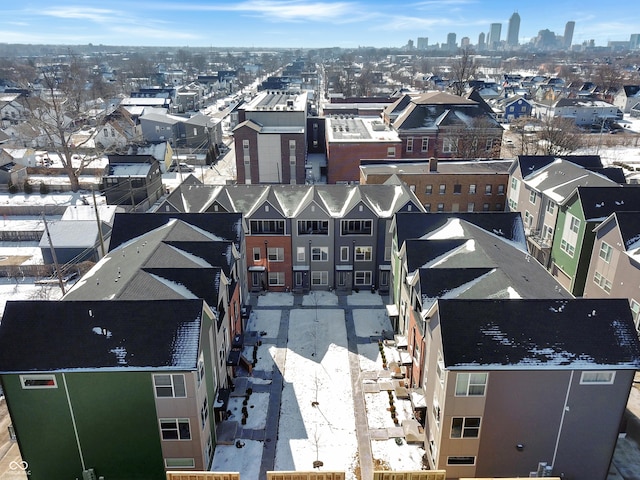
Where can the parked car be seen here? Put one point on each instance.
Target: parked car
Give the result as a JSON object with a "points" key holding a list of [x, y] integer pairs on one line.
{"points": [[184, 168]]}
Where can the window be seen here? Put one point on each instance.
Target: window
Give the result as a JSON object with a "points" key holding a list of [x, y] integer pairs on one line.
{"points": [[575, 224], [570, 235], [387, 254], [362, 277], [313, 227], [319, 254], [461, 460], [175, 429], [267, 227], [292, 147], [344, 254], [450, 145], [363, 254], [275, 254], [551, 207], [605, 252], [457, 189], [276, 279], [440, 369], [443, 189], [602, 282], [170, 386], [106, 132], [441, 207], [427, 207], [436, 412], [498, 207], [428, 189], [256, 254], [391, 151], [532, 197], [38, 381], [245, 144], [604, 377], [514, 183], [179, 463], [472, 189], [471, 384], [485, 207], [465, 427], [635, 311], [201, 370], [204, 412], [489, 144], [300, 254], [319, 278], [471, 206], [356, 227], [425, 144], [488, 189], [409, 144], [547, 233], [195, 131], [528, 218]]}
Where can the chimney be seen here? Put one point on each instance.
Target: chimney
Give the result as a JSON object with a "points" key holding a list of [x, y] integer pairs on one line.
{"points": [[433, 164]]}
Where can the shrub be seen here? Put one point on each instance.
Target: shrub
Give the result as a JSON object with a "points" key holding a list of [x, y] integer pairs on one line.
{"points": [[28, 188], [44, 188], [13, 188]]}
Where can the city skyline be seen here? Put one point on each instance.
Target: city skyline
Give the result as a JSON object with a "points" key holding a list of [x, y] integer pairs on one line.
{"points": [[298, 24]]}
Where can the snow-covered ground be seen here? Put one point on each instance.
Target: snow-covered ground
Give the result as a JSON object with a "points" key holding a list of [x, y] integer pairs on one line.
{"points": [[317, 419], [26, 289]]}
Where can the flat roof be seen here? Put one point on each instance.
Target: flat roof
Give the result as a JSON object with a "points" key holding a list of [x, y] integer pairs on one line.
{"points": [[278, 100], [350, 128], [472, 167]]}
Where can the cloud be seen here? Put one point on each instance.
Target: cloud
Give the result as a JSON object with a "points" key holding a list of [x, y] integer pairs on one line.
{"points": [[99, 15], [282, 10]]}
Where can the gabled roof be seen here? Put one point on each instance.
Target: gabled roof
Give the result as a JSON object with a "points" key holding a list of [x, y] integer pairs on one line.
{"points": [[179, 265], [600, 202], [559, 179], [631, 90], [221, 226], [506, 225], [462, 260], [46, 336], [538, 334], [529, 164]]}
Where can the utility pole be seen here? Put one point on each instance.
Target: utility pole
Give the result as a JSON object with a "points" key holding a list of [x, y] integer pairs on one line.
{"points": [[53, 255], [95, 207]]}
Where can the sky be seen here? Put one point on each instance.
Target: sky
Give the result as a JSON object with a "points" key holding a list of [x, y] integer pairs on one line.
{"points": [[300, 24]]}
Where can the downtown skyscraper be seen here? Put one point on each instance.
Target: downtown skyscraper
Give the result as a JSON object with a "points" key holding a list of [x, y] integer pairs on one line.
{"points": [[513, 30]]}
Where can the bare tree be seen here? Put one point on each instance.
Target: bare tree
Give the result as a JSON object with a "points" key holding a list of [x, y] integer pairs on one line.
{"points": [[525, 141], [557, 136], [57, 115], [463, 69]]}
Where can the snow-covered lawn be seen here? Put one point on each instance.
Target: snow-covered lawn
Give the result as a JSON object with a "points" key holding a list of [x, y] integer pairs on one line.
{"points": [[317, 420], [26, 289], [316, 413], [267, 321]]}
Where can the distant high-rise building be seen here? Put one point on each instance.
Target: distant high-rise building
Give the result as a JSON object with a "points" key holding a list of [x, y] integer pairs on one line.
{"points": [[410, 45], [494, 35], [514, 30], [481, 41], [423, 43], [465, 42], [634, 41], [451, 41], [568, 33]]}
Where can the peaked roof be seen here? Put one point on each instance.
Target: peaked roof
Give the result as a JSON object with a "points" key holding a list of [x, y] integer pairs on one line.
{"points": [[600, 202], [160, 264], [529, 164], [550, 334], [218, 226], [45, 336], [507, 225], [462, 260]]}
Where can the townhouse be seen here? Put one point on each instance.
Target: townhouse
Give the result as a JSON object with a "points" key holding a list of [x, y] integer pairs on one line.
{"points": [[539, 183], [134, 180], [480, 319], [303, 237], [615, 261], [270, 138], [153, 324], [110, 388], [578, 215]]}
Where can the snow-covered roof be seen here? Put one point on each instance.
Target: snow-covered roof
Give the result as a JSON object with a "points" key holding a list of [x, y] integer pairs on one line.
{"points": [[538, 334], [111, 335]]}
